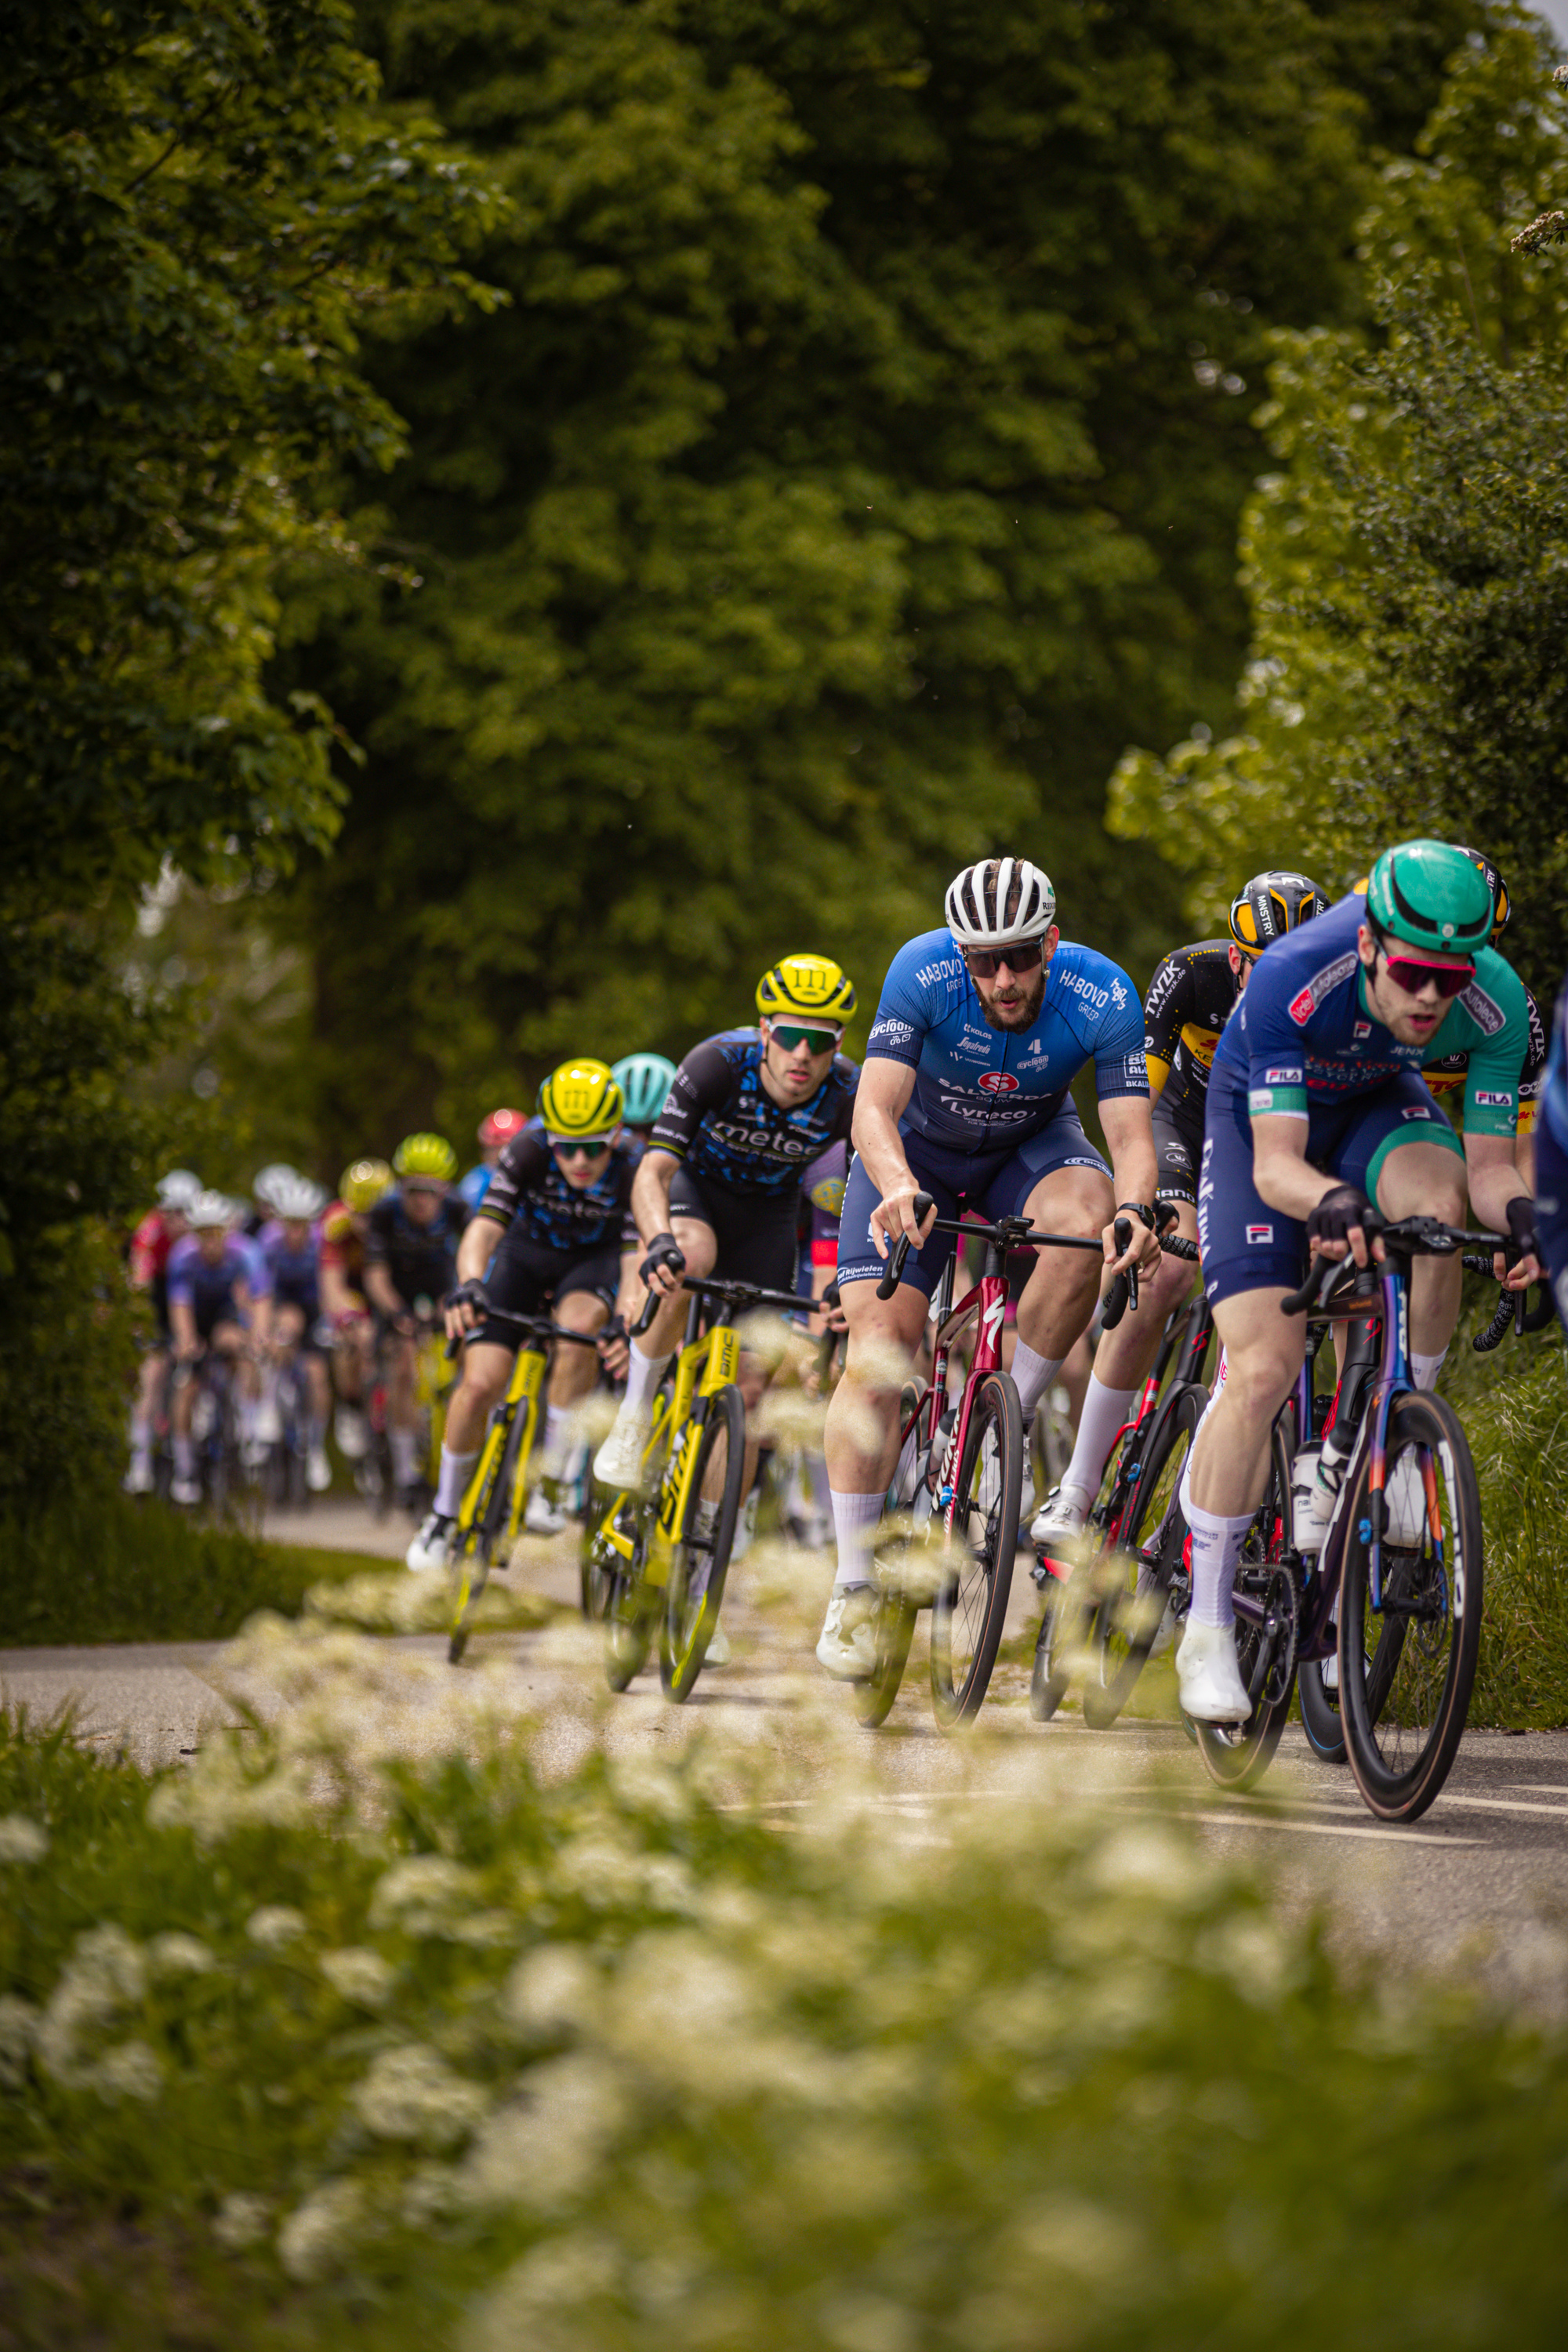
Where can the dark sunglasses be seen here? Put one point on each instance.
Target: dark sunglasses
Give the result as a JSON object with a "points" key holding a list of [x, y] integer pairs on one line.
{"points": [[815, 1041], [1023, 955], [573, 1148], [431, 1185], [1411, 974]]}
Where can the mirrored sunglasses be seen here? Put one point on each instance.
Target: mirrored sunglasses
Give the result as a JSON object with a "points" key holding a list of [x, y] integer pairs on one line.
{"points": [[815, 1041], [580, 1147], [1019, 955], [1411, 974]]}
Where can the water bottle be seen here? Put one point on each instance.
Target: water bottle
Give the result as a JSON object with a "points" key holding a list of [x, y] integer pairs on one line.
{"points": [[1316, 1477]]}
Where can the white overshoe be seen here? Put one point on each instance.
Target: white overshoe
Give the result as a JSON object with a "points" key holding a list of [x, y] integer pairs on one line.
{"points": [[1404, 1499], [1211, 1688], [716, 1654], [745, 1528], [186, 1491], [848, 1648], [1061, 1516], [544, 1515], [619, 1462], [318, 1470], [139, 1477], [267, 1426], [431, 1545], [352, 1433]]}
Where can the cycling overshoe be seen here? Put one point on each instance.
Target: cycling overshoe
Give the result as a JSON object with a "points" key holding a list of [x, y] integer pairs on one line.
{"points": [[544, 1515], [139, 1477], [1211, 1688], [619, 1462], [847, 1649], [186, 1491], [431, 1545], [717, 1651], [352, 1433], [1061, 1516], [318, 1470], [745, 1528]]}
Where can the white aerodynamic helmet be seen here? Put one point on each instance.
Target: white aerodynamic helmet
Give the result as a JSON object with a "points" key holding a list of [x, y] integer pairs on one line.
{"points": [[297, 1200], [210, 1210], [1000, 899]]}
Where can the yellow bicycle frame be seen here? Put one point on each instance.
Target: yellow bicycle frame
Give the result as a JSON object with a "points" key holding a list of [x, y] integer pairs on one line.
{"points": [[523, 1388], [433, 1379], [702, 1368]]}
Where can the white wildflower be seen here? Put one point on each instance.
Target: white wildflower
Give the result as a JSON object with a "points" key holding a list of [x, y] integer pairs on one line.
{"points": [[318, 2235], [22, 1840], [646, 1785], [241, 2220], [275, 1925], [425, 1894], [539, 2302], [105, 1976], [1147, 1861], [176, 1954], [130, 2071], [545, 2148], [411, 2094], [484, 1929], [553, 1991], [19, 2030], [359, 1975]]}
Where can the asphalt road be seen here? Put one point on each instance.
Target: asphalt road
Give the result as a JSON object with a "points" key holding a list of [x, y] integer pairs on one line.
{"points": [[1479, 1885]]}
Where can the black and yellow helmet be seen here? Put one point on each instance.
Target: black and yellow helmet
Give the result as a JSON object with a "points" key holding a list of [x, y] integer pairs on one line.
{"points": [[1269, 906], [1502, 905], [806, 986], [581, 1098], [425, 1155]]}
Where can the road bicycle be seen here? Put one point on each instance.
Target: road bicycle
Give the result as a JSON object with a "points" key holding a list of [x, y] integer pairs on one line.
{"points": [[660, 1556], [1395, 1592], [950, 1528], [217, 1454], [1105, 1608], [490, 1513]]}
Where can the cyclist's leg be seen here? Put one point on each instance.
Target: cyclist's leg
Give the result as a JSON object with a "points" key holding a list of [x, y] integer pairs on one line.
{"points": [[691, 1222], [584, 1296], [401, 1414], [1405, 1155]]}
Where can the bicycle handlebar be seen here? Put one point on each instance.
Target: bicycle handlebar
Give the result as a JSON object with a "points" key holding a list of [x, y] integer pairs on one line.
{"points": [[1406, 1237], [1017, 1232], [531, 1327], [736, 1295]]}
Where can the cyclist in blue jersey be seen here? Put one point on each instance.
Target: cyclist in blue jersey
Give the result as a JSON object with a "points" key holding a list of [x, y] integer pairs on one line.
{"points": [[291, 1246], [547, 1238], [981, 1030], [217, 1299], [719, 1190], [1316, 1114], [1552, 1159]]}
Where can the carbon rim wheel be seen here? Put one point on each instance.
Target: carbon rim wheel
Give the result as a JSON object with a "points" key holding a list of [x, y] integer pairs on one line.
{"points": [[1403, 1725], [472, 1563], [970, 1602], [1137, 1577], [1236, 1755], [702, 1559]]}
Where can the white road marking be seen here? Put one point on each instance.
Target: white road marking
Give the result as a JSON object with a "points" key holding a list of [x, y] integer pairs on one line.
{"points": [[903, 1801], [1505, 1805]]}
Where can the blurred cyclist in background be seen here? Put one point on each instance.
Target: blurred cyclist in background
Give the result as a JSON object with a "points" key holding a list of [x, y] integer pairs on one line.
{"points": [[495, 1132], [411, 1257], [344, 1302], [644, 1080], [291, 1244], [213, 1303], [150, 1245]]}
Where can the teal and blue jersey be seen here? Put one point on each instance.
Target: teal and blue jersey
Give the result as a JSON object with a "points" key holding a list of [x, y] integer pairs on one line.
{"points": [[987, 1090]]}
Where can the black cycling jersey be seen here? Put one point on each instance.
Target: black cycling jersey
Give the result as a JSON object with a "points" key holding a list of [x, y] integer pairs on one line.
{"points": [[719, 1117], [1445, 1077], [529, 1193], [422, 1260], [1190, 999]]}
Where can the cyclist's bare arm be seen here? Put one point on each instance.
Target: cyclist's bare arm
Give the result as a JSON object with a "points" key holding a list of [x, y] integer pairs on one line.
{"points": [[337, 1300], [1495, 1180], [1134, 1174], [183, 1323], [881, 1100], [651, 1207], [380, 1291]]}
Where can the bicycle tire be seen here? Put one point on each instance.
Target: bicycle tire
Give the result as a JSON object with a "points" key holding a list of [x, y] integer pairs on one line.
{"points": [[629, 1620], [472, 1560], [1127, 1622], [1236, 1755], [1402, 1739], [598, 1561], [1050, 1674], [970, 1604], [687, 1629], [1320, 1718], [897, 1545]]}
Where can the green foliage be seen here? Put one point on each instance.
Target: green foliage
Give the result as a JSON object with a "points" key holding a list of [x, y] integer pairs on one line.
{"points": [[831, 491], [476, 2049], [1405, 564]]}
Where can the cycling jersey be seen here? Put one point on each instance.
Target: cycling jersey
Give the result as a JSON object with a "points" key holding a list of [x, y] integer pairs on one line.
{"points": [[528, 1193], [1445, 1077], [342, 1246], [1552, 1160], [208, 1289], [720, 1119], [1304, 1032], [1190, 999], [473, 1188], [981, 1089], [421, 1260], [823, 1190], [150, 1246], [292, 1272]]}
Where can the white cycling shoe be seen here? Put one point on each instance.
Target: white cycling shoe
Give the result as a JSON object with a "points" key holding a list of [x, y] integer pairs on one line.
{"points": [[318, 1470], [139, 1477], [619, 1462], [1211, 1687], [544, 1515], [716, 1654], [431, 1546], [352, 1430], [848, 1648], [1061, 1516], [186, 1492]]}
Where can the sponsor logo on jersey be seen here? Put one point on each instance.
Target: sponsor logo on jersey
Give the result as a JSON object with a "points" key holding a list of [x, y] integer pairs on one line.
{"points": [[1118, 994], [1260, 1232], [887, 1027], [1418, 1111], [1260, 1098], [999, 1081], [949, 969], [1362, 1029], [1496, 1101], [1098, 997], [1484, 1010], [1288, 1074], [1322, 983]]}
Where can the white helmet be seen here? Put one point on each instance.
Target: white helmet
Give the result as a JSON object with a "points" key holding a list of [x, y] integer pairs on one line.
{"points": [[296, 1200], [209, 1208], [978, 900], [178, 1189], [276, 1173]]}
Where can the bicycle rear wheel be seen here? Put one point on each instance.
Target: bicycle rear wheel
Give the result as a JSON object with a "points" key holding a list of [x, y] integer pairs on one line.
{"points": [[1149, 1556], [1237, 1755], [970, 1604], [701, 1561], [1404, 1720]]}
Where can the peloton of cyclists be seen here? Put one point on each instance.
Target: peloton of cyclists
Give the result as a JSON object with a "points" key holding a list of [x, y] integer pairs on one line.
{"points": [[1316, 1117], [981, 1027], [551, 1232], [410, 1253]]}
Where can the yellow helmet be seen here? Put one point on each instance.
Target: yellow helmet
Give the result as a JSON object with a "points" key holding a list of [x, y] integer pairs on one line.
{"points": [[362, 1182], [805, 984], [580, 1098], [425, 1155]]}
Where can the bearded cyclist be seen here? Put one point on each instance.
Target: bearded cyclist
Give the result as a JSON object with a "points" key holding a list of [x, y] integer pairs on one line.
{"points": [[1190, 997], [1317, 1115], [981, 1028]]}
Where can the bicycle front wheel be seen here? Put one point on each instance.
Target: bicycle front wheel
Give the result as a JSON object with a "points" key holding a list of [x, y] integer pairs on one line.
{"points": [[970, 1604], [474, 1543], [1405, 1718], [1150, 1555], [701, 1561]]}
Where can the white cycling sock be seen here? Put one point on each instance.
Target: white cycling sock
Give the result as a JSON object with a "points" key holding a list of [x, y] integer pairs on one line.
{"points": [[141, 1433], [456, 1469], [1216, 1549], [1104, 1411], [1424, 1370], [854, 1518], [1032, 1376], [558, 1422], [644, 1374]]}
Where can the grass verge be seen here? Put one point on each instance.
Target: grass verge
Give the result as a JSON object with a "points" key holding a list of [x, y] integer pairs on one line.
{"points": [[417, 2016]]}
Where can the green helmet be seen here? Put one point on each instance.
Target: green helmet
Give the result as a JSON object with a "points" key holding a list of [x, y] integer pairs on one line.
{"points": [[1429, 895], [644, 1079]]}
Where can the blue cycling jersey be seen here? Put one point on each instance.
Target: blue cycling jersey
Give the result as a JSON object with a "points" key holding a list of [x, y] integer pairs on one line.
{"points": [[1554, 1100], [292, 1273], [473, 1188], [530, 1196], [986, 1090], [207, 1287], [720, 1119]]}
